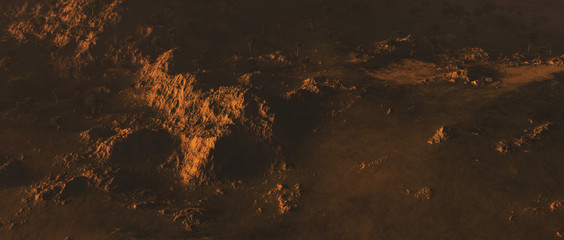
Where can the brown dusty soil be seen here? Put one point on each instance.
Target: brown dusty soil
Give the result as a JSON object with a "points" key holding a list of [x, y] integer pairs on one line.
{"points": [[247, 119]]}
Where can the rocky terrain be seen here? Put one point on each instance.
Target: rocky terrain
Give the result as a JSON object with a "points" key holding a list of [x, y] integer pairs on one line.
{"points": [[249, 119]]}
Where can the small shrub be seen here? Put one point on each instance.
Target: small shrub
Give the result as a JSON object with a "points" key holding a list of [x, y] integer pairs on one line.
{"points": [[156, 18], [5, 63], [298, 48], [25, 105], [17, 83], [155, 42], [250, 42], [56, 122], [56, 94], [93, 102], [304, 62], [197, 65]]}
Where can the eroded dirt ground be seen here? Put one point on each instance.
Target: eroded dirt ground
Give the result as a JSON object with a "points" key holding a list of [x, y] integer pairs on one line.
{"points": [[245, 119]]}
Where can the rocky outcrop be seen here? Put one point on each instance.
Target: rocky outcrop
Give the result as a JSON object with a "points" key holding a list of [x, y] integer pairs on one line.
{"points": [[199, 118], [529, 138], [441, 135], [64, 22]]}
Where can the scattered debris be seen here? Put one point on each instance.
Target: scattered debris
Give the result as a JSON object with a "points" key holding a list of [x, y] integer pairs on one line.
{"points": [[556, 205], [249, 78], [373, 163], [560, 234], [533, 135], [188, 217], [424, 193], [285, 197]]}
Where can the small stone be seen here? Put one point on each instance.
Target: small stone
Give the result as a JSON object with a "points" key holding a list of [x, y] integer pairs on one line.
{"points": [[556, 205], [424, 193], [441, 135]]}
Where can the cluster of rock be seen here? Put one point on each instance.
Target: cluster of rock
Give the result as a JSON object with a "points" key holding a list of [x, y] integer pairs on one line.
{"points": [[441, 135], [199, 118], [528, 139], [399, 47], [285, 197], [466, 66], [66, 22]]}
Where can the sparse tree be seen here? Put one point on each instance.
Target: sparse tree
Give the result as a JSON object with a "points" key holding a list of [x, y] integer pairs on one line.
{"points": [[552, 49], [412, 42], [52, 47], [56, 122], [250, 42], [311, 25], [435, 29], [532, 40], [298, 48], [414, 11], [397, 33], [129, 39], [155, 42], [304, 62], [171, 32], [25, 105], [94, 103], [479, 12], [434, 43], [472, 31], [489, 7], [29, 101], [538, 21], [156, 18], [326, 9], [56, 95], [38, 20], [17, 83], [392, 44], [5, 63], [451, 10], [197, 65]]}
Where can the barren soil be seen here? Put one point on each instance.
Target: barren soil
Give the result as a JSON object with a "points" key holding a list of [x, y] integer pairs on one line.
{"points": [[311, 119]]}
